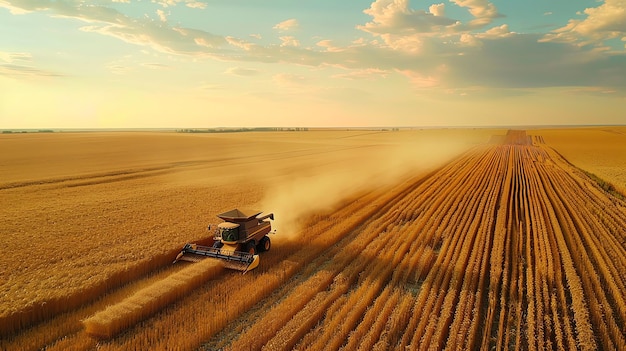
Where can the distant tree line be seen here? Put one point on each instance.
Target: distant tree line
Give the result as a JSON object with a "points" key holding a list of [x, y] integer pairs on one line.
{"points": [[239, 130], [28, 131]]}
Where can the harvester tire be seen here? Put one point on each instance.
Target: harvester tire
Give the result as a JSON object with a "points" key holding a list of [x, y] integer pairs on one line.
{"points": [[265, 244], [251, 248], [218, 244]]}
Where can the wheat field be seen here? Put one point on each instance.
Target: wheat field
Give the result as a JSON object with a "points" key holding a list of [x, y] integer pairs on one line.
{"points": [[443, 239]]}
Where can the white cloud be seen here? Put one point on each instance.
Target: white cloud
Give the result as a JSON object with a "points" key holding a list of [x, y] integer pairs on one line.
{"points": [[289, 41], [437, 9], [189, 3], [163, 38], [467, 39], [287, 25], [421, 80], [10, 57], [161, 15], [154, 65], [110, 22], [395, 17], [329, 46], [495, 32], [19, 65], [425, 46], [23, 71], [196, 5], [483, 11], [240, 43], [404, 29], [607, 21], [17, 9]]}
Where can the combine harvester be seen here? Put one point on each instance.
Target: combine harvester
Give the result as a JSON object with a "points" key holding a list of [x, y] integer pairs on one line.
{"points": [[238, 239]]}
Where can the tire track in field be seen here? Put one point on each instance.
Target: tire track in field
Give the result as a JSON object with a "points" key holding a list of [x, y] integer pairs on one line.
{"points": [[146, 172]]}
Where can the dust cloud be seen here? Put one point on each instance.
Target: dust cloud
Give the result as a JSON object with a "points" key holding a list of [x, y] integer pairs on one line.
{"points": [[339, 176]]}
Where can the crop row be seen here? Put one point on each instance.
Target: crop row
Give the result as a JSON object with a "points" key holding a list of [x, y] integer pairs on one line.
{"points": [[507, 247]]}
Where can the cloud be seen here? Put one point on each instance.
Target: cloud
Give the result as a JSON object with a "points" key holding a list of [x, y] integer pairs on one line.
{"points": [[242, 72], [240, 43], [329, 46], [155, 65], [289, 41], [360, 74], [437, 9], [406, 29], [496, 32], [189, 3], [426, 47], [119, 69], [110, 22], [161, 15], [607, 21], [287, 25], [484, 12], [421, 80], [395, 17], [444, 53], [16, 9], [159, 36], [522, 61], [196, 5], [586, 91], [15, 56], [19, 65], [10, 70]]}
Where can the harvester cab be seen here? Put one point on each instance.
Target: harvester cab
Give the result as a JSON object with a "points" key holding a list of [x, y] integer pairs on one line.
{"points": [[237, 240]]}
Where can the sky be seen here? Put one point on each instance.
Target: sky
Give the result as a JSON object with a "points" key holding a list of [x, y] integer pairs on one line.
{"points": [[311, 63]]}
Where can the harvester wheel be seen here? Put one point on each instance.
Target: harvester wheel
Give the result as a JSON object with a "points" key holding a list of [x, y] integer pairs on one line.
{"points": [[265, 244], [218, 244], [251, 248]]}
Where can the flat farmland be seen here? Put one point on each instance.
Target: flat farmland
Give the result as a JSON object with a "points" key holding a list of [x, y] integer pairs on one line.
{"points": [[599, 150], [386, 240]]}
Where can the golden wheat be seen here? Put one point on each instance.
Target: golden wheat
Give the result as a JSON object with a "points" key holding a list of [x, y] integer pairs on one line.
{"points": [[507, 247]]}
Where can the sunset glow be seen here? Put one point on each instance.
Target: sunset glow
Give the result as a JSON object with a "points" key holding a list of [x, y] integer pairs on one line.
{"points": [[322, 63]]}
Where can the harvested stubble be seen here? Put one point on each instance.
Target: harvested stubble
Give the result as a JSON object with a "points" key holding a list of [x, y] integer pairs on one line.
{"points": [[150, 300]]}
